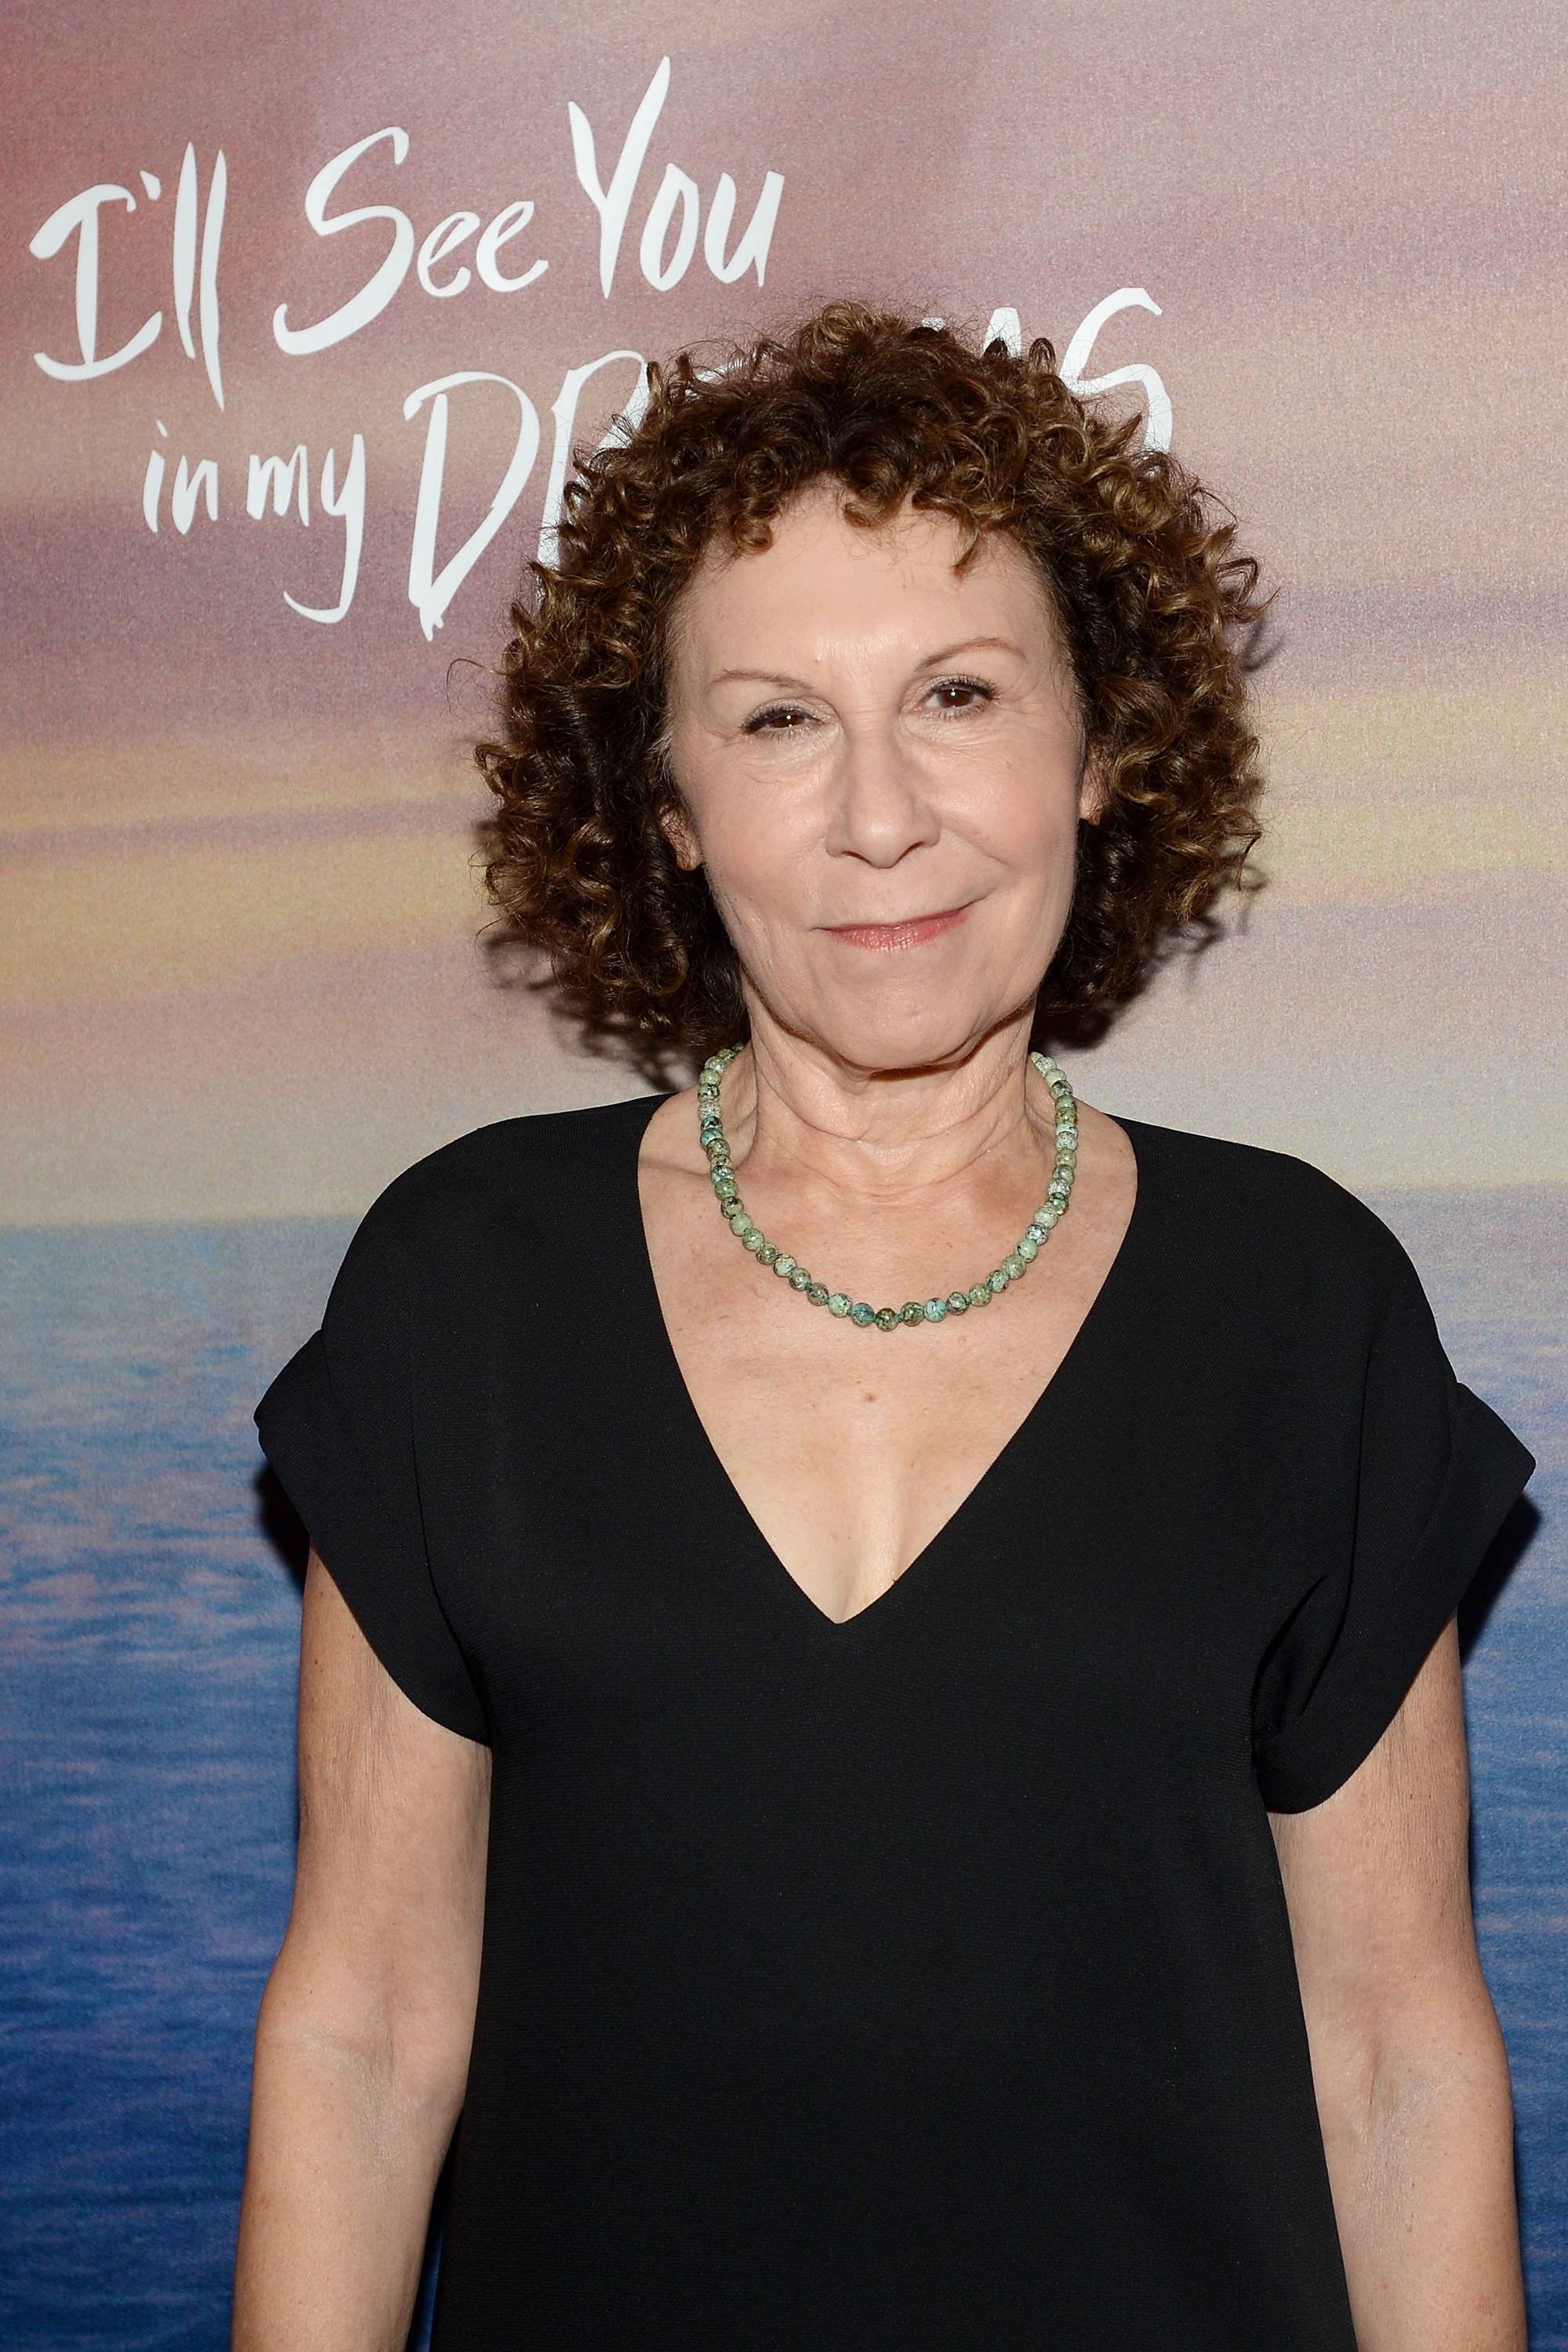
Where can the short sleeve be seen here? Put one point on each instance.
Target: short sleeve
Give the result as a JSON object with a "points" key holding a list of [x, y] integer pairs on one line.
{"points": [[1435, 1472], [337, 1425]]}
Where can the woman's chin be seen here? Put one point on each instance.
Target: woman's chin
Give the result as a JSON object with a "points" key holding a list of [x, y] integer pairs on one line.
{"points": [[902, 1039]]}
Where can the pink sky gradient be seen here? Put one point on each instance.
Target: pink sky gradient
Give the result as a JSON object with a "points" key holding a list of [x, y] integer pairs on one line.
{"points": [[241, 975]]}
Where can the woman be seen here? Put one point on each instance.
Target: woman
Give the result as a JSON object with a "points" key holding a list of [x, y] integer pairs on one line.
{"points": [[974, 1786]]}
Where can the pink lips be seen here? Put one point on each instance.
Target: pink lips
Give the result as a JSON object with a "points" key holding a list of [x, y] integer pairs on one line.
{"points": [[889, 937]]}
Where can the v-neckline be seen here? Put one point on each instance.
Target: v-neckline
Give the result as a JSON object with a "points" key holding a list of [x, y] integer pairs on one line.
{"points": [[686, 1405]]}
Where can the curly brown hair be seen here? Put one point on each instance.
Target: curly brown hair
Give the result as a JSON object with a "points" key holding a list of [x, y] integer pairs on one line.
{"points": [[1156, 609]]}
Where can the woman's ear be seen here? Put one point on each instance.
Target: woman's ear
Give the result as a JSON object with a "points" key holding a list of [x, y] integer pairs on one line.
{"points": [[676, 827], [1092, 794]]}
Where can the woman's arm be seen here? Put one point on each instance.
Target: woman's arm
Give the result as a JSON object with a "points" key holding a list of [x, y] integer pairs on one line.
{"points": [[1407, 2058], [361, 2049]]}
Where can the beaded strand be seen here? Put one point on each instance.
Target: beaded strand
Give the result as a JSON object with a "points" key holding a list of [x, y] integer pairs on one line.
{"points": [[1014, 1267]]}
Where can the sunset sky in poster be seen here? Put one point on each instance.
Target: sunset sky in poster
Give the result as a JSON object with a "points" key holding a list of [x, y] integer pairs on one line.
{"points": [[237, 969]]}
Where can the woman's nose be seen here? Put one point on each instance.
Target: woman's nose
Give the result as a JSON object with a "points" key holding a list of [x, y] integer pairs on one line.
{"points": [[882, 806]]}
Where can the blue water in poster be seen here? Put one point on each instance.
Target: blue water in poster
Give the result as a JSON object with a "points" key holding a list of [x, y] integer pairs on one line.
{"points": [[148, 1617]]}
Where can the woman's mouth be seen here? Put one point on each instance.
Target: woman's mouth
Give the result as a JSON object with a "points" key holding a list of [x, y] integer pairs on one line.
{"points": [[889, 937]]}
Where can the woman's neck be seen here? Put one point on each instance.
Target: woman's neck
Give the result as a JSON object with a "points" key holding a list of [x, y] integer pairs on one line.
{"points": [[792, 1108]]}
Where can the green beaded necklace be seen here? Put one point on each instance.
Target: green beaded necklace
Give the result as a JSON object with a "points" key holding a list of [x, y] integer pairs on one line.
{"points": [[1013, 1268]]}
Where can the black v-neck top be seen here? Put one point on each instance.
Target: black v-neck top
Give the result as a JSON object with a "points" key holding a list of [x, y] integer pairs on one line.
{"points": [[923, 1981]]}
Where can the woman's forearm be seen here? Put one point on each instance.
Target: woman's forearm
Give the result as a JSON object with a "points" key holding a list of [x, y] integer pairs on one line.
{"points": [[342, 2163], [362, 2044], [1422, 2171]]}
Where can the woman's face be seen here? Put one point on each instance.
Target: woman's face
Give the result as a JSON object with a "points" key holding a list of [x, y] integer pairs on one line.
{"points": [[881, 762]]}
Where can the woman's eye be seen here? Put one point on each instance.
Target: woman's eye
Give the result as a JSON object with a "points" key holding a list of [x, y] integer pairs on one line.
{"points": [[779, 720], [961, 693]]}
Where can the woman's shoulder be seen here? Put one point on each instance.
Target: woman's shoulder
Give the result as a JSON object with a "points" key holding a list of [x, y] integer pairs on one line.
{"points": [[542, 1167], [1247, 1207]]}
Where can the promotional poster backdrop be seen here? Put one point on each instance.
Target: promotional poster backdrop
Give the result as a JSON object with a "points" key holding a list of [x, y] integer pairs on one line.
{"points": [[305, 310]]}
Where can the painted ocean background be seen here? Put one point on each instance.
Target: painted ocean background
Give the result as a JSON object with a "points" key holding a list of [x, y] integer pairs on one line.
{"points": [[148, 1617]]}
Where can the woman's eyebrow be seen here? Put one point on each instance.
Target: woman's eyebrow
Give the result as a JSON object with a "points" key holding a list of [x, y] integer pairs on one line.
{"points": [[760, 678], [969, 645]]}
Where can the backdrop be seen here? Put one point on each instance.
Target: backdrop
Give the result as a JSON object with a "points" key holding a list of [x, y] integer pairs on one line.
{"points": [[305, 309]]}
